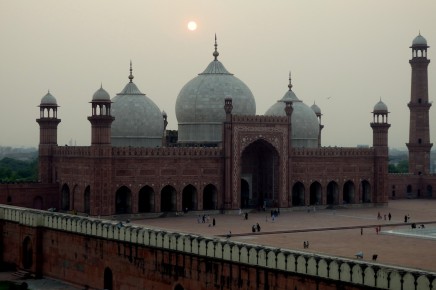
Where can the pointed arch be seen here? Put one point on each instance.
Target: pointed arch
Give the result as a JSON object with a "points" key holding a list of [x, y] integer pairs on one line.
{"points": [[298, 192], [168, 199], [366, 191], [315, 193], [146, 199], [189, 197], [348, 192], [65, 197], [123, 200], [260, 163], [73, 197], [332, 193], [210, 197]]}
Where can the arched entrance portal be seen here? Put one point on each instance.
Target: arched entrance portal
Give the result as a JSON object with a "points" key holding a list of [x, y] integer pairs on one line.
{"points": [[27, 253], [210, 197], [146, 199], [168, 199], [189, 198], [298, 194], [348, 192], [366, 191], [260, 165], [123, 200], [332, 193], [315, 194], [65, 201]]}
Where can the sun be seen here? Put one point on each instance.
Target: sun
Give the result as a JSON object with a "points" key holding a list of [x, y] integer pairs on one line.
{"points": [[192, 25]]}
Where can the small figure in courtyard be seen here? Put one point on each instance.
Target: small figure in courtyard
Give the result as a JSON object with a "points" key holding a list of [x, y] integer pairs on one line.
{"points": [[253, 228], [229, 235], [361, 231], [246, 216], [389, 216], [258, 227], [213, 222]]}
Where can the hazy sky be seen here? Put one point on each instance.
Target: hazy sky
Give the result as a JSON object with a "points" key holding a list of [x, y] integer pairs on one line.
{"points": [[343, 55]]}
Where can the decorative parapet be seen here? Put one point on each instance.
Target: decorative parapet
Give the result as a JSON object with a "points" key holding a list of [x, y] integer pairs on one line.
{"points": [[73, 151], [332, 152], [167, 151], [86, 151], [259, 119], [292, 261]]}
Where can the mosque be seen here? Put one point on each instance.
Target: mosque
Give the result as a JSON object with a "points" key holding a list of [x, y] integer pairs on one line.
{"points": [[224, 157]]}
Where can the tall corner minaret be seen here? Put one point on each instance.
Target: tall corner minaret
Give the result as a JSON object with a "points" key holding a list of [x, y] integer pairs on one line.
{"points": [[101, 119], [48, 134], [380, 128], [419, 129]]}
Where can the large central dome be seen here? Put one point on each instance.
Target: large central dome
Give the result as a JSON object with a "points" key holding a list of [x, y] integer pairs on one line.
{"points": [[138, 120], [200, 104]]}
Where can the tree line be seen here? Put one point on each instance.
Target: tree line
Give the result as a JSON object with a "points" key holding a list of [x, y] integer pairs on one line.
{"points": [[14, 170]]}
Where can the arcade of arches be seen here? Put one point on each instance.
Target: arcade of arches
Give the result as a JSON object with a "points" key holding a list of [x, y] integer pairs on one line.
{"points": [[258, 187], [147, 199]]}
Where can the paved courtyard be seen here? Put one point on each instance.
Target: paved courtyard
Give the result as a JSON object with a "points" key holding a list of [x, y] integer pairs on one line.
{"points": [[332, 232]]}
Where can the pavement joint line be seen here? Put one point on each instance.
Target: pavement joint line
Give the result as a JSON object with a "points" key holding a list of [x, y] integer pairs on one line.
{"points": [[321, 229]]}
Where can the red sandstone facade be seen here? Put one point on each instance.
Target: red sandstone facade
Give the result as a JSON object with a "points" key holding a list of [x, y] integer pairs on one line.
{"points": [[256, 166]]}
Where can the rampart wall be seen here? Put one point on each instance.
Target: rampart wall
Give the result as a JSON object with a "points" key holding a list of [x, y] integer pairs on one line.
{"points": [[84, 249]]}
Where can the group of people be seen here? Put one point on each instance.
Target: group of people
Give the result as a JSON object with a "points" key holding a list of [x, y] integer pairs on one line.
{"points": [[255, 228], [379, 216]]}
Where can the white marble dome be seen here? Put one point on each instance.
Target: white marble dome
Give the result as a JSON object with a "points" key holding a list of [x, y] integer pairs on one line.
{"points": [[305, 124], [200, 104], [138, 120]]}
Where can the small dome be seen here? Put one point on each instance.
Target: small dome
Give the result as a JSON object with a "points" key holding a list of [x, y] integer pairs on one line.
{"points": [[305, 124], [316, 109], [200, 104], [101, 95], [419, 41], [48, 100], [138, 120], [380, 107]]}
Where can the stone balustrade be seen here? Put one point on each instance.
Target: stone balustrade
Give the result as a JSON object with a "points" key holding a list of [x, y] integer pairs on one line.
{"points": [[292, 261]]}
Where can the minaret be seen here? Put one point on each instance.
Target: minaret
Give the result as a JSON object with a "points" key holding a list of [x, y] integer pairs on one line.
{"points": [[101, 118], [48, 134], [419, 130], [380, 128]]}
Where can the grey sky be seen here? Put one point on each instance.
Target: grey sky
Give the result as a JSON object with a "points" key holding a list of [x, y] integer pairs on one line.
{"points": [[343, 55]]}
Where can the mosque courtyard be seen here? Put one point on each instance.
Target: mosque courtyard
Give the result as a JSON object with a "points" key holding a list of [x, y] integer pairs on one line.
{"points": [[339, 232]]}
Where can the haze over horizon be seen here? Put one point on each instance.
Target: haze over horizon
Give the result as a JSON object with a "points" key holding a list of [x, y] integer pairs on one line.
{"points": [[343, 55]]}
